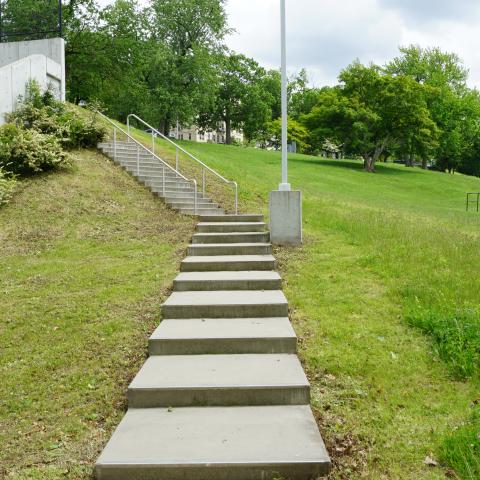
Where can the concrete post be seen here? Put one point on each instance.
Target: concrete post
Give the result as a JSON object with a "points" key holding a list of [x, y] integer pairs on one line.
{"points": [[286, 217]]}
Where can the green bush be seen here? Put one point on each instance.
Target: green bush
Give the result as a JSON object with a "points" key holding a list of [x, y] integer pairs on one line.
{"points": [[41, 112], [461, 449], [7, 186], [25, 151], [456, 333]]}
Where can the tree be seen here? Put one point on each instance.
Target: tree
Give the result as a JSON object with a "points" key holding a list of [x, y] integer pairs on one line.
{"points": [[296, 133], [372, 111], [188, 34], [242, 99]]}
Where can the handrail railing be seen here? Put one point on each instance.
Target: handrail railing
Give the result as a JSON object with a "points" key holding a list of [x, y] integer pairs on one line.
{"points": [[179, 148], [140, 145], [475, 195]]}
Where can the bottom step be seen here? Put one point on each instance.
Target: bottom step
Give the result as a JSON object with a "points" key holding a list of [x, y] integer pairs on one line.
{"points": [[215, 443]]}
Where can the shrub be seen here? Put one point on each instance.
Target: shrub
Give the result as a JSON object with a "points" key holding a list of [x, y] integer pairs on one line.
{"points": [[456, 333], [28, 151], [41, 112], [7, 187]]}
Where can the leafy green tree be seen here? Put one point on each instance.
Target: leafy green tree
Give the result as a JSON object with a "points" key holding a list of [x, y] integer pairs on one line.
{"points": [[243, 100], [296, 133], [372, 111]]}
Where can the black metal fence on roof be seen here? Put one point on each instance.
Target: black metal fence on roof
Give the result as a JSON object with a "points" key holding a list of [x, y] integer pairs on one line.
{"points": [[31, 20]]}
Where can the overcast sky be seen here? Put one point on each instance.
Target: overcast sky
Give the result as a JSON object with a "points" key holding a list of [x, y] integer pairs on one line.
{"points": [[326, 35]]}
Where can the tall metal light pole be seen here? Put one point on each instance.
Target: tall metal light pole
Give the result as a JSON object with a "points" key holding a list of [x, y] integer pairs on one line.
{"points": [[284, 186], [285, 204]]}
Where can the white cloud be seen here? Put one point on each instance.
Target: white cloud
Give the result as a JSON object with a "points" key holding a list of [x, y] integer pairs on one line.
{"points": [[325, 36]]}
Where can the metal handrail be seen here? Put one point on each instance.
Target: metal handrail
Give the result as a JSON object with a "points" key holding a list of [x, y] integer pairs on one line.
{"points": [[140, 145], [179, 148], [474, 194]]}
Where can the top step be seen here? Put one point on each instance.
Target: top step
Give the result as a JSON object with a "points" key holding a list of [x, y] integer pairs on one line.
{"points": [[232, 218]]}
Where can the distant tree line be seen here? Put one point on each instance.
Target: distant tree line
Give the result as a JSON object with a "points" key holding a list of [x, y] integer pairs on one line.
{"points": [[168, 62]]}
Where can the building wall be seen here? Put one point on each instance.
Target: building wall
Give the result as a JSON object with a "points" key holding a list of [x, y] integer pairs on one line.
{"points": [[214, 136], [20, 62]]}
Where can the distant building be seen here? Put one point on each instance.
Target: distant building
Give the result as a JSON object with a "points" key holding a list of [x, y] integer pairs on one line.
{"points": [[195, 134]]}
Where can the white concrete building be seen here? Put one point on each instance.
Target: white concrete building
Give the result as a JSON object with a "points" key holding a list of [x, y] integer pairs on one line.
{"points": [[20, 62], [195, 134]]}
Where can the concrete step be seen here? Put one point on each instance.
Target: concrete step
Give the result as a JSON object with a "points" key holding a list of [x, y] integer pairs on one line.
{"points": [[217, 263], [219, 380], [216, 443], [190, 204], [226, 304], [230, 249], [243, 280], [232, 218], [201, 211], [179, 198], [230, 227], [215, 336], [241, 237]]}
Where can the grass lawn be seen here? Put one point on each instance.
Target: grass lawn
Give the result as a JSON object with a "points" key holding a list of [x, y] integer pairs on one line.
{"points": [[390, 261], [86, 257]]}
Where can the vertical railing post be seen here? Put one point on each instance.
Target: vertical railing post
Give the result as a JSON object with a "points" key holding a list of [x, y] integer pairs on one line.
{"points": [[163, 181], [114, 143], [153, 142], [236, 198], [203, 183], [138, 160], [176, 158], [195, 197], [128, 128]]}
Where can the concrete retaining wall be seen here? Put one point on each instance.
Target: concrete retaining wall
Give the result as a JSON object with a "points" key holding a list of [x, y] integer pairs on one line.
{"points": [[40, 60]]}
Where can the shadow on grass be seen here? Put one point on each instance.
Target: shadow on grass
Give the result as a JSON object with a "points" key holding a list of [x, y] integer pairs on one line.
{"points": [[382, 169]]}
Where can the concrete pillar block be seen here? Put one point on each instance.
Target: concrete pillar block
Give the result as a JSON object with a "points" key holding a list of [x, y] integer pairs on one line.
{"points": [[286, 217]]}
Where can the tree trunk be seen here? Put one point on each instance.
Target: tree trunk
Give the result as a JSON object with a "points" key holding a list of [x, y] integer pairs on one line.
{"points": [[424, 163], [228, 131], [368, 163]]}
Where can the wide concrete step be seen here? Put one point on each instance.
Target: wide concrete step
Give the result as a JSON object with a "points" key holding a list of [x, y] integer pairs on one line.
{"points": [[179, 198], [230, 227], [226, 304], [218, 380], [215, 336], [242, 237], [190, 204], [200, 211], [230, 249], [214, 263], [232, 218], [243, 280], [216, 443]]}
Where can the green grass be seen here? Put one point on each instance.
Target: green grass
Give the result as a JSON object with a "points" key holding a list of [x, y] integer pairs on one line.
{"points": [[86, 257], [387, 257]]}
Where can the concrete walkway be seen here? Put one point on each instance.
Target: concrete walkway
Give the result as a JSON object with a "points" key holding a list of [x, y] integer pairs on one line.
{"points": [[223, 395]]}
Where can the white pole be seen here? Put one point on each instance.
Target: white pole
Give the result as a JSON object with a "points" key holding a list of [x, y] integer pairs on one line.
{"points": [[284, 186]]}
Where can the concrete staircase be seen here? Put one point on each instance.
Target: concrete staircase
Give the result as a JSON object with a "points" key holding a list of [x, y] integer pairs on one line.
{"points": [[223, 395], [163, 181]]}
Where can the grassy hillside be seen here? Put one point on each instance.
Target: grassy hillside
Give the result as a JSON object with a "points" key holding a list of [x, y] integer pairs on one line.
{"points": [[86, 257], [384, 296]]}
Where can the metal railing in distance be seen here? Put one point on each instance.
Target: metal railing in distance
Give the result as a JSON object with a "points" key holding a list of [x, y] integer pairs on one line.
{"points": [[140, 147], [476, 200], [205, 168]]}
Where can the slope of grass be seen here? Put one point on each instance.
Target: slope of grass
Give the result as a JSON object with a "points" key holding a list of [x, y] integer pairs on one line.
{"points": [[86, 257], [382, 252]]}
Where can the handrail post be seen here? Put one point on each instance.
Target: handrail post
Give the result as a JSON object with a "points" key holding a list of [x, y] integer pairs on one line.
{"points": [[195, 197], [236, 198], [176, 159], [163, 181], [138, 161], [153, 143], [203, 183], [114, 144], [128, 128]]}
